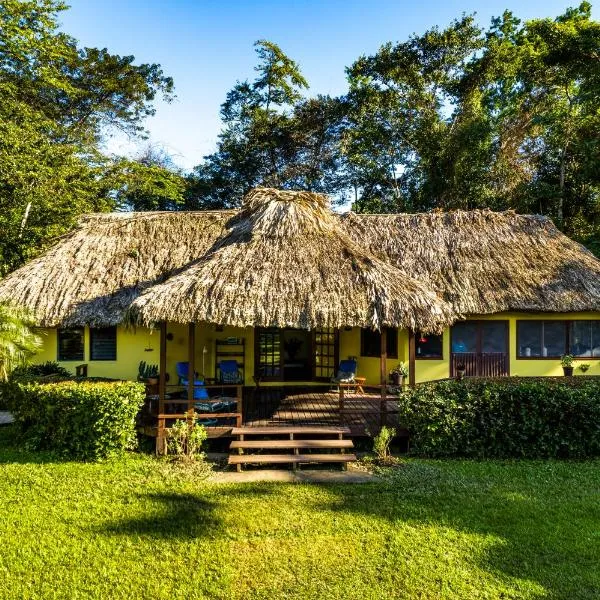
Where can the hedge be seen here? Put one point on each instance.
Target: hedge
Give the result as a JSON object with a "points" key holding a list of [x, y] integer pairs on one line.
{"points": [[504, 418], [86, 420]]}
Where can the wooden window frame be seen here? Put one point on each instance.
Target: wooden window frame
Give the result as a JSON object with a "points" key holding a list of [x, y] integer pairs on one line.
{"points": [[91, 342], [393, 354], [436, 357], [59, 358]]}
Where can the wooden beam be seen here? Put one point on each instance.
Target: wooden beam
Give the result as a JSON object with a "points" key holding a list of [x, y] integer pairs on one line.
{"points": [[191, 365], [412, 354], [162, 388], [383, 376]]}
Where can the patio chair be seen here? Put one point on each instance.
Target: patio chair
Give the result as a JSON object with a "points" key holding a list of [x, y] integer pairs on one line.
{"points": [[200, 392], [346, 372], [229, 374]]}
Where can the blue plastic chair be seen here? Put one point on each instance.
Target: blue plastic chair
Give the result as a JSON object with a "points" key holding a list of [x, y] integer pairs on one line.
{"points": [[229, 372], [200, 392], [346, 371]]}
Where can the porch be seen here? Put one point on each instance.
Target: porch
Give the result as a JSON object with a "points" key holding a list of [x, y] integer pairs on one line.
{"points": [[360, 412]]}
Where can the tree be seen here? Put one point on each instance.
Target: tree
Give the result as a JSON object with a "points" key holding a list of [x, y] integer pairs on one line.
{"points": [[17, 341], [58, 102], [271, 136]]}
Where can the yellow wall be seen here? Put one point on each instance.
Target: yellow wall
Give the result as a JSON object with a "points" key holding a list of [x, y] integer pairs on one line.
{"points": [[140, 344]]}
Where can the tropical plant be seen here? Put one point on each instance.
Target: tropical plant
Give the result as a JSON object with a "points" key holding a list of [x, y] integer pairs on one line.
{"points": [[400, 369], [18, 342], [584, 367], [381, 443], [184, 441], [566, 360]]}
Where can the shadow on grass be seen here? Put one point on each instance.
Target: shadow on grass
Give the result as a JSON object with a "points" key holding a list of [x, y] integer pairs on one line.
{"points": [[550, 531], [170, 515], [180, 516]]}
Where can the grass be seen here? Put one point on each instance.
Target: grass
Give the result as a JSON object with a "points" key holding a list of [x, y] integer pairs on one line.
{"points": [[433, 529]]}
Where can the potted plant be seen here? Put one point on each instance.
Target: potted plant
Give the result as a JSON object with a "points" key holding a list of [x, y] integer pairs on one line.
{"points": [[584, 367], [460, 370], [566, 361], [398, 374], [148, 373]]}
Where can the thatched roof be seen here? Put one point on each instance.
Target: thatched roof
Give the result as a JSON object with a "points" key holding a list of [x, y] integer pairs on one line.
{"points": [[92, 274], [285, 259], [485, 262]]}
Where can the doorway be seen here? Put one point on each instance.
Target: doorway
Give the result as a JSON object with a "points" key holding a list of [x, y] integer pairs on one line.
{"points": [[295, 354]]}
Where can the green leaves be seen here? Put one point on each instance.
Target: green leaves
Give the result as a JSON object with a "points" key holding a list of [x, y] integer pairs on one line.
{"points": [[18, 342], [85, 420], [501, 418]]}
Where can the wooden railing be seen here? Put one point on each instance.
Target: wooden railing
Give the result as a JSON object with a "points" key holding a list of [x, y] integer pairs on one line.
{"points": [[190, 413], [481, 364]]}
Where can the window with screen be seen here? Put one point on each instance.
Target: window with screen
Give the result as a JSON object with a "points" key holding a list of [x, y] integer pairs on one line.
{"points": [[325, 353], [70, 343], [370, 343], [585, 339], [103, 343], [269, 353], [428, 346], [541, 339]]}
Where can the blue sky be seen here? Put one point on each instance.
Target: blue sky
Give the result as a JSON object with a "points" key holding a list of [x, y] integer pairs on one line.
{"points": [[207, 45]]}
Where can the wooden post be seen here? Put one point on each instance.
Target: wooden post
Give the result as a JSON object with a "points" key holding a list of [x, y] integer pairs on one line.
{"points": [[239, 405], [383, 377], [162, 389], [412, 353], [191, 365], [191, 374]]}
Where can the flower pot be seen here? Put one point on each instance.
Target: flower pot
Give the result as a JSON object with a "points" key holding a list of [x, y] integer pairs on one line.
{"points": [[395, 378], [460, 373], [152, 380], [568, 371]]}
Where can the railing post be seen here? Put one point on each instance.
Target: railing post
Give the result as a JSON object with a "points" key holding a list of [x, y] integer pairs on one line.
{"points": [[162, 386], [239, 405], [383, 378]]}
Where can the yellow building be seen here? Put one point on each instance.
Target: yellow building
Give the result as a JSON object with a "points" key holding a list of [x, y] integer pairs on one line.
{"points": [[286, 288]]}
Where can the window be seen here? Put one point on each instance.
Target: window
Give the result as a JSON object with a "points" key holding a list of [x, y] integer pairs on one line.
{"points": [[325, 349], [428, 346], [103, 343], [370, 343], [541, 339], [585, 339], [70, 343]]}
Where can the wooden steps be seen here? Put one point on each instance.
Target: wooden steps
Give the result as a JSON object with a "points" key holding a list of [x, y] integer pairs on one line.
{"points": [[290, 444], [290, 458], [290, 440]]}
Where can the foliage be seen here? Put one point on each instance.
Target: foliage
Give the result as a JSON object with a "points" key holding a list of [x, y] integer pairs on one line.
{"points": [[85, 420], [432, 529], [566, 360], [146, 371], [184, 441], [382, 441], [401, 369], [584, 367], [18, 342], [59, 102], [507, 417], [271, 136], [48, 368]]}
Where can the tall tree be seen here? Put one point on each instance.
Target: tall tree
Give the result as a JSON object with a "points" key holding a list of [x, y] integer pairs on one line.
{"points": [[57, 103]]}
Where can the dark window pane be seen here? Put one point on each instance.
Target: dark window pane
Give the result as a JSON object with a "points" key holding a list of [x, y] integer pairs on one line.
{"points": [[70, 343], [493, 336], [554, 340], [370, 343], [596, 338], [103, 343], [529, 338], [428, 346], [464, 337]]}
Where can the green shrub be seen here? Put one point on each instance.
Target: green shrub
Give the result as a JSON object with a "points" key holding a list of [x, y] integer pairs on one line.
{"points": [[86, 420], [382, 441], [504, 417], [184, 441]]}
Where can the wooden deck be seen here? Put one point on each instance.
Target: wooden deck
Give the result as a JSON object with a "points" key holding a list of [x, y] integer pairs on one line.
{"points": [[363, 414]]}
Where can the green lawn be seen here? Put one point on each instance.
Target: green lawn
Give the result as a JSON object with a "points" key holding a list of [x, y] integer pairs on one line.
{"points": [[436, 529]]}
